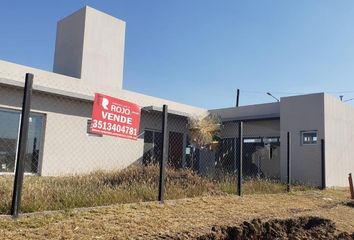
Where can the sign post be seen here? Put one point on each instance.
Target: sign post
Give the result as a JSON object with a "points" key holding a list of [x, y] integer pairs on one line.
{"points": [[115, 117]]}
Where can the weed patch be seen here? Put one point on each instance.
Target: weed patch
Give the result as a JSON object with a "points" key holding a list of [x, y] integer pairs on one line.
{"points": [[134, 184]]}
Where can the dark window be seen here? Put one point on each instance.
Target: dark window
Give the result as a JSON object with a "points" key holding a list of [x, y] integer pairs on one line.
{"points": [[152, 147], [175, 149], [9, 130]]}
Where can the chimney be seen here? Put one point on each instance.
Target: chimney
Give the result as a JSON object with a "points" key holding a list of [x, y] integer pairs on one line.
{"points": [[90, 46]]}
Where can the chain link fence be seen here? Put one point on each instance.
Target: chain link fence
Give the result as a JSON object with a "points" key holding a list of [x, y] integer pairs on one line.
{"points": [[66, 164], [261, 157], [69, 166], [217, 168]]}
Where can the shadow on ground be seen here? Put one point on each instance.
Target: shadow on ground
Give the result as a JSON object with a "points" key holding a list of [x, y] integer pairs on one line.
{"points": [[350, 204]]}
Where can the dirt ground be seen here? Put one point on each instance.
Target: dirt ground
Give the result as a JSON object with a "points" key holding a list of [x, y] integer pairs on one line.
{"points": [[195, 218], [293, 228]]}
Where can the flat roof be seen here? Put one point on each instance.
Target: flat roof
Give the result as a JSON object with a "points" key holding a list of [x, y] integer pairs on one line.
{"points": [[249, 112], [13, 75]]}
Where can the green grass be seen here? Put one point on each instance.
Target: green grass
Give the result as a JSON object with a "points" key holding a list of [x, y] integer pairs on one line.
{"points": [[134, 184]]}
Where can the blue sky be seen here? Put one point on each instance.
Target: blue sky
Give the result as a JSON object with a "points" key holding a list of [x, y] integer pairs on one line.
{"points": [[199, 52]]}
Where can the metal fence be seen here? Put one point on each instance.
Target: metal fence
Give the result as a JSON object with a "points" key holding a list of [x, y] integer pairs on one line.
{"points": [[253, 145], [66, 165]]}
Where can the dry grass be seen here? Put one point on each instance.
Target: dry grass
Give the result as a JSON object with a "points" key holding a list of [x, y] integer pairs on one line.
{"points": [[185, 218], [203, 129], [135, 184]]}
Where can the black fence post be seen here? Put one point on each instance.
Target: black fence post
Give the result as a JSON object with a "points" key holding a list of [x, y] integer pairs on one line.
{"points": [[22, 144], [289, 162], [164, 153], [323, 161], [240, 155], [238, 97]]}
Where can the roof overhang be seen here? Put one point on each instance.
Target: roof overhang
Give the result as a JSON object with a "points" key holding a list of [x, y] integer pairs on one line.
{"points": [[273, 116], [159, 109], [47, 90], [82, 97]]}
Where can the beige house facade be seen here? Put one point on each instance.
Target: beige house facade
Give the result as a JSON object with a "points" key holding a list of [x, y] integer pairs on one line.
{"points": [[89, 58]]}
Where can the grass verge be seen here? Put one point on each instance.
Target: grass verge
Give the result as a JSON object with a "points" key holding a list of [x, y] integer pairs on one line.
{"points": [[134, 184]]}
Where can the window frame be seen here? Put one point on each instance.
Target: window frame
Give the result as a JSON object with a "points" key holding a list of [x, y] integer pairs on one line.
{"points": [[41, 148], [303, 143]]}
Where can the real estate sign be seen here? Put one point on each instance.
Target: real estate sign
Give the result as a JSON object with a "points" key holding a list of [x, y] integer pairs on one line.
{"points": [[115, 117]]}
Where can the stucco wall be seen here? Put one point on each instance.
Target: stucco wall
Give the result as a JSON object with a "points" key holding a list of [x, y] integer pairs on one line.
{"points": [[301, 113], [249, 112], [259, 128], [68, 149], [103, 55], [90, 46], [69, 45], [339, 136]]}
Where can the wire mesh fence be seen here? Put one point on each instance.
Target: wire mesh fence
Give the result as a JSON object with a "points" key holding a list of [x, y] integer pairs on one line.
{"points": [[261, 157], [67, 165], [218, 166]]}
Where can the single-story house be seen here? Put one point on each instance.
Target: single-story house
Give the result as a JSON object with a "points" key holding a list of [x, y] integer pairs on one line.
{"points": [[89, 57]]}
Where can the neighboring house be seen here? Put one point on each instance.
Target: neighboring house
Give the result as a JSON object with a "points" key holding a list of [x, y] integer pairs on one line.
{"points": [[89, 57], [309, 118]]}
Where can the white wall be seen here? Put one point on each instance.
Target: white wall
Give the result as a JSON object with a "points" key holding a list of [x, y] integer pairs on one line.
{"points": [[301, 113], [68, 149], [339, 136], [69, 45], [90, 46]]}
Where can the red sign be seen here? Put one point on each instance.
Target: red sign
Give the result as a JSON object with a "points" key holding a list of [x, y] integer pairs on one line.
{"points": [[115, 117]]}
